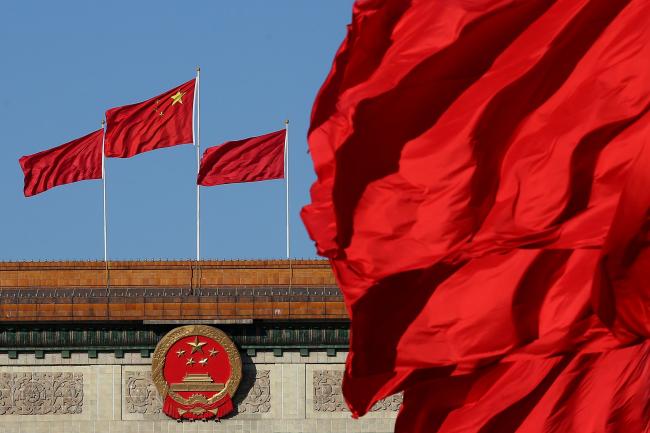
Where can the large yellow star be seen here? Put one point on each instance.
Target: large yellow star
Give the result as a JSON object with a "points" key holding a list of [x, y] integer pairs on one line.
{"points": [[197, 346], [178, 97]]}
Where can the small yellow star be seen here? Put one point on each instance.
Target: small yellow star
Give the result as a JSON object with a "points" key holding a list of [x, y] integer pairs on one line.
{"points": [[190, 361], [161, 114], [213, 352], [203, 362], [178, 97], [197, 346], [180, 352]]}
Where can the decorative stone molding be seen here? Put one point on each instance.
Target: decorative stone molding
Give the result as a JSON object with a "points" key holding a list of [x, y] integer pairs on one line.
{"points": [[258, 397], [391, 403], [328, 396], [41, 393], [141, 395]]}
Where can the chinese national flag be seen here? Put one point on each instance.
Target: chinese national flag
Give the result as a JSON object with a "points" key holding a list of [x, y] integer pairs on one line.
{"points": [[162, 121], [483, 197], [248, 160], [79, 159]]}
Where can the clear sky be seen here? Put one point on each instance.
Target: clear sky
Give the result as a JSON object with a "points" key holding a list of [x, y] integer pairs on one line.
{"points": [[63, 63]]}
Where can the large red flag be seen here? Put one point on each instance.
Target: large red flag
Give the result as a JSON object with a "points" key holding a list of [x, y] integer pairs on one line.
{"points": [[162, 121], [471, 158], [79, 159], [248, 160], [602, 392]]}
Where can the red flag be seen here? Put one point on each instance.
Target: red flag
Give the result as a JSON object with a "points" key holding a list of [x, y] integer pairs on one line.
{"points": [[79, 159], [621, 292], [248, 160], [588, 392], [471, 157], [162, 121]]}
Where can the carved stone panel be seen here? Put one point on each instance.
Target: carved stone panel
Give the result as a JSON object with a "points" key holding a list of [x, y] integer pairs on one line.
{"points": [[258, 397], [328, 396], [327, 391], [391, 403], [44, 393], [141, 395]]}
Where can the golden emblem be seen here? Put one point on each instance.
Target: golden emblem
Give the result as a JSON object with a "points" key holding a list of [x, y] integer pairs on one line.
{"points": [[198, 387]]}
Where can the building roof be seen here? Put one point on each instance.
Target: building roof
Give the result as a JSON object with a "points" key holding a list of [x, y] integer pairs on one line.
{"points": [[157, 274], [168, 291]]}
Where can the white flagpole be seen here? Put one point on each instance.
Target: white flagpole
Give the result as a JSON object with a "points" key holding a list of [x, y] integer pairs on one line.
{"points": [[108, 273], [104, 191], [286, 181], [198, 164]]}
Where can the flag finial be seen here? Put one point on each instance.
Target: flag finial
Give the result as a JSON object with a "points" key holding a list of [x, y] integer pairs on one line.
{"points": [[103, 122], [198, 69], [286, 122]]}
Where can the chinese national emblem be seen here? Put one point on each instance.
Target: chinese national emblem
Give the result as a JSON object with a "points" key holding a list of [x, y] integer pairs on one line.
{"points": [[197, 370]]}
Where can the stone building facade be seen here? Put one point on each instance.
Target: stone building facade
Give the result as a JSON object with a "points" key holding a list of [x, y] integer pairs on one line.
{"points": [[81, 362]]}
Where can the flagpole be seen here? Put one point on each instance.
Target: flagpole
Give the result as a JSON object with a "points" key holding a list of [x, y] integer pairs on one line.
{"points": [[286, 181], [198, 164], [104, 201]]}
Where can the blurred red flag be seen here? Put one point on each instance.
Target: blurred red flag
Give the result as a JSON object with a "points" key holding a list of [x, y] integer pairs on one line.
{"points": [[79, 159], [472, 159], [162, 121], [248, 160]]}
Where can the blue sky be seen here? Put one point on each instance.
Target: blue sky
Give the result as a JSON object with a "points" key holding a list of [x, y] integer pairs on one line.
{"points": [[65, 63]]}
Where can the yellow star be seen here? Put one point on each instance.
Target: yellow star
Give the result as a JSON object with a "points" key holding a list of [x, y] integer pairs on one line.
{"points": [[190, 361], [178, 97], [196, 345], [180, 352], [203, 362], [213, 352]]}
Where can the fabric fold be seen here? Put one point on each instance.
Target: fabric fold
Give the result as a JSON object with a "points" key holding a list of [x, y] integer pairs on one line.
{"points": [[481, 198]]}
